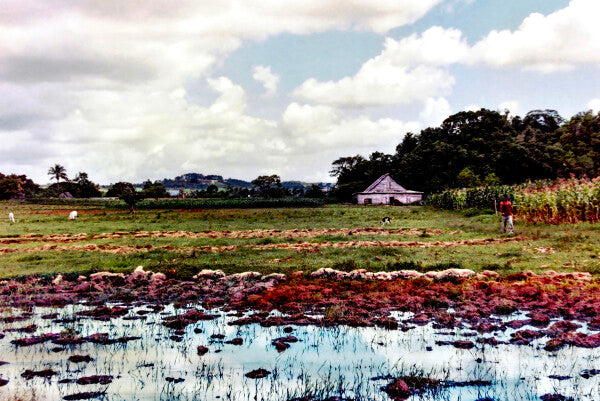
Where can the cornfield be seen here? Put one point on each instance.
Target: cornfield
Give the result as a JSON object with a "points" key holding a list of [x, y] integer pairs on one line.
{"points": [[563, 201], [470, 198]]}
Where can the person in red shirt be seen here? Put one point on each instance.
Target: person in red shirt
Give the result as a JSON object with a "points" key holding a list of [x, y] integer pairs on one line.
{"points": [[507, 210]]}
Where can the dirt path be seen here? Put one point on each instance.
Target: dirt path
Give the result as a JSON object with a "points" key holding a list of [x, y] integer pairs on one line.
{"points": [[300, 247], [303, 233]]}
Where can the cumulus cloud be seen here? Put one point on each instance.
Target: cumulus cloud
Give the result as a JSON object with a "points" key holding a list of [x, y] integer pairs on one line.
{"points": [[594, 105], [269, 80], [435, 46], [556, 42], [415, 67], [323, 133], [389, 78], [311, 127], [436, 110], [378, 84], [472, 107], [511, 105]]}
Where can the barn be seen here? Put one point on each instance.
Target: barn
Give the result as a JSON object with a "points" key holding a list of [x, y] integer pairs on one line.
{"points": [[386, 191]]}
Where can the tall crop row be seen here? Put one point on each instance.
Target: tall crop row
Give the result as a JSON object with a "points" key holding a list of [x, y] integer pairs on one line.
{"points": [[564, 201], [471, 198]]}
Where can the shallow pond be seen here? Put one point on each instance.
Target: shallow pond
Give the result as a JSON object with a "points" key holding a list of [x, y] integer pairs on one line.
{"points": [[354, 363]]}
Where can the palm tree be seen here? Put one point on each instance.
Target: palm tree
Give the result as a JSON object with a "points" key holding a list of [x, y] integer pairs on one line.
{"points": [[57, 172]]}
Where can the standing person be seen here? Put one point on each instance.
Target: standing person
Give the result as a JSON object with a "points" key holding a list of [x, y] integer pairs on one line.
{"points": [[506, 208]]}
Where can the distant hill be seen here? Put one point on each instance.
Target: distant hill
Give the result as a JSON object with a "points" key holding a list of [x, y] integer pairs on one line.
{"points": [[201, 181]]}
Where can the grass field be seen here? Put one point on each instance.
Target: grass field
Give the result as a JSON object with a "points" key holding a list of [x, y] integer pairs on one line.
{"points": [[231, 240]]}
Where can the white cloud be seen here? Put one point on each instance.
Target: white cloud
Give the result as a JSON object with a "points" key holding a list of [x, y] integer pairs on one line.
{"points": [[556, 42], [472, 107], [511, 105], [391, 77], [324, 127], [594, 105], [436, 46], [162, 134], [323, 133], [436, 110], [414, 68], [268, 79]]}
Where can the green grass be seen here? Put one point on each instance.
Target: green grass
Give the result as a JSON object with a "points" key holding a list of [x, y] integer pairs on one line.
{"points": [[575, 247]]}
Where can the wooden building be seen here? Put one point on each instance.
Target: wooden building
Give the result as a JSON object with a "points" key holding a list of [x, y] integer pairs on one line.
{"points": [[386, 191]]}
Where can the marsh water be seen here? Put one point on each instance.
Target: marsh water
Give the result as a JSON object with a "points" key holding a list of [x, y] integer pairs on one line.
{"points": [[353, 363]]}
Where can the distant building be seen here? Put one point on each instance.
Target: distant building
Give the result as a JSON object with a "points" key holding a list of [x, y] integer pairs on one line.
{"points": [[386, 191]]}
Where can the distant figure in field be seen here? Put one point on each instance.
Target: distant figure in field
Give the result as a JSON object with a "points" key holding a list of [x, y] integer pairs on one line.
{"points": [[73, 215], [507, 210], [11, 217], [385, 220]]}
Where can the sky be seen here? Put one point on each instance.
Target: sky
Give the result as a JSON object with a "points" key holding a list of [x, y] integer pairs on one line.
{"points": [[139, 89]]}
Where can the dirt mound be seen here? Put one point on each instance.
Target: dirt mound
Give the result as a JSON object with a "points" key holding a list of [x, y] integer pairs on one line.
{"points": [[299, 247], [296, 233]]}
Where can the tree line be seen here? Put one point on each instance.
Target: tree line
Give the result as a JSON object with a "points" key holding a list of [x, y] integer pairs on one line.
{"points": [[485, 147], [20, 187]]}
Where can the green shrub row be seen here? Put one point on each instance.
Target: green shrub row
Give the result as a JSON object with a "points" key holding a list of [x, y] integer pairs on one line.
{"points": [[251, 203]]}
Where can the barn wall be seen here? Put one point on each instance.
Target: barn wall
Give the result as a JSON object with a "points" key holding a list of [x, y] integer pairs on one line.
{"points": [[384, 199]]}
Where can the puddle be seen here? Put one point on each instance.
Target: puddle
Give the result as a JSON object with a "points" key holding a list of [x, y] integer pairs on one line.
{"points": [[326, 361]]}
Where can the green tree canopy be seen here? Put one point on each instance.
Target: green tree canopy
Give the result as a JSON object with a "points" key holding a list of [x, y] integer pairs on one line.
{"points": [[119, 188], [269, 186], [154, 190], [17, 186]]}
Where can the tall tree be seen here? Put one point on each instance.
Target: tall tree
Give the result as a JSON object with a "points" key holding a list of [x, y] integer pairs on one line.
{"points": [[269, 186], [58, 172], [131, 197], [84, 187], [155, 190], [119, 188], [580, 143]]}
